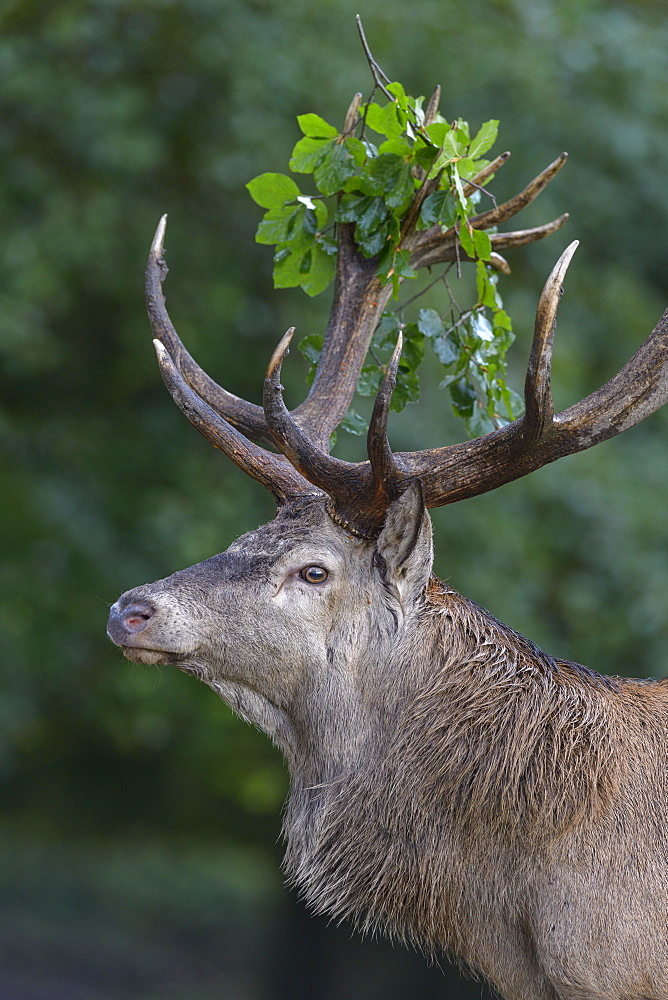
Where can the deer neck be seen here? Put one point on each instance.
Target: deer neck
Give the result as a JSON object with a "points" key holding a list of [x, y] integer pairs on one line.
{"points": [[482, 748]]}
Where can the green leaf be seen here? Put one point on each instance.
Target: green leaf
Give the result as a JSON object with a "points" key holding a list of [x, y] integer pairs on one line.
{"points": [[402, 264], [301, 229], [320, 272], [351, 207], [316, 127], [334, 168], [399, 146], [413, 349], [459, 189], [484, 138], [482, 244], [389, 176], [514, 403], [502, 320], [437, 131], [287, 267], [369, 381], [463, 131], [430, 323], [358, 150], [479, 423], [275, 226], [425, 155], [448, 380], [449, 141], [306, 154], [354, 423], [438, 207], [272, 190], [386, 120], [463, 397], [397, 91], [374, 213], [469, 168], [466, 239], [394, 265], [445, 349], [481, 326], [315, 218], [376, 241], [486, 281], [374, 225], [311, 347], [385, 335], [406, 390]]}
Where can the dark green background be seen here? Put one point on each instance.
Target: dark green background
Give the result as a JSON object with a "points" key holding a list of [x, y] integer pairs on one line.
{"points": [[139, 855]]}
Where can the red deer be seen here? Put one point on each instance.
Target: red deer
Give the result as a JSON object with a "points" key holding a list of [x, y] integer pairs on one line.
{"points": [[451, 784]]}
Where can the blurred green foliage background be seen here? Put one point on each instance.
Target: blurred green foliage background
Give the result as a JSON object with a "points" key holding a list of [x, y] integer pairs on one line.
{"points": [[140, 819]]}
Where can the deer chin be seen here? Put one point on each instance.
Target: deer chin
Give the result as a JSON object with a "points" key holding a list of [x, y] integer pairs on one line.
{"points": [[139, 654]]}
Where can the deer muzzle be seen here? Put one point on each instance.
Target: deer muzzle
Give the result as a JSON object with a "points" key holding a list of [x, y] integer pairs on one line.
{"points": [[126, 625]]}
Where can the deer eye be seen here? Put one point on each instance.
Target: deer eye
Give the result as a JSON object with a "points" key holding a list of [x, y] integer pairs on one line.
{"points": [[314, 574]]}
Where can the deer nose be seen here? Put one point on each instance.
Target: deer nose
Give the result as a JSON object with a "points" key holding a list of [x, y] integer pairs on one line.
{"points": [[128, 621]]}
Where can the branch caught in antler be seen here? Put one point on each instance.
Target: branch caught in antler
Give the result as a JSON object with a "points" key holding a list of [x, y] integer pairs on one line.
{"points": [[360, 493], [360, 296]]}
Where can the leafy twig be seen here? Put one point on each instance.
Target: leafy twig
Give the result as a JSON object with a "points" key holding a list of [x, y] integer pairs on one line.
{"points": [[376, 71], [413, 298]]}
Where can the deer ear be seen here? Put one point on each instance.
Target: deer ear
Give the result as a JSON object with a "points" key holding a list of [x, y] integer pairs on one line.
{"points": [[404, 547]]}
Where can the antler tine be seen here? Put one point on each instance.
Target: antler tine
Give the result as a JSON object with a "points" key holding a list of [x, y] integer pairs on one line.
{"points": [[247, 417], [537, 389], [272, 471], [514, 205], [520, 237], [352, 115], [432, 106], [314, 464], [385, 472], [359, 493], [445, 247], [485, 173]]}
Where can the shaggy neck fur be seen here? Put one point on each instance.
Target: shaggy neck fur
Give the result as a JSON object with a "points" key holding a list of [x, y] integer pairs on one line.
{"points": [[495, 745]]}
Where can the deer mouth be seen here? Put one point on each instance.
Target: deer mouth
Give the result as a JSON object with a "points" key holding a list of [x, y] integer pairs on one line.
{"points": [[142, 654]]}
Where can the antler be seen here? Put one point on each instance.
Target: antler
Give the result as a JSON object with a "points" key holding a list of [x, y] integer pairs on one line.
{"points": [[458, 471], [359, 493]]}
